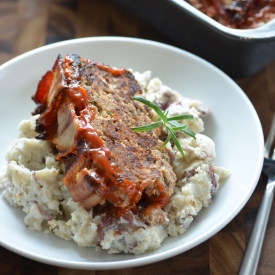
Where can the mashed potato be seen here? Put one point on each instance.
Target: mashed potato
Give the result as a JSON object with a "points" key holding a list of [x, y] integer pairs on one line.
{"points": [[33, 181]]}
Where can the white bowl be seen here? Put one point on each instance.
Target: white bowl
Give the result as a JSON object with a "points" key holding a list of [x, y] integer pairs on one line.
{"points": [[233, 125]]}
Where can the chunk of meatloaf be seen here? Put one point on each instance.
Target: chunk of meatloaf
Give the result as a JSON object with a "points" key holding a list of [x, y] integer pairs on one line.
{"points": [[87, 112]]}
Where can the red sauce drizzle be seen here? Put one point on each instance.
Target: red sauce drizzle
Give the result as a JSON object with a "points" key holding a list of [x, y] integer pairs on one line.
{"points": [[105, 180], [114, 72]]}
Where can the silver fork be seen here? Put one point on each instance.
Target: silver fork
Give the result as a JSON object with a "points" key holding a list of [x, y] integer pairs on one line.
{"points": [[252, 254]]}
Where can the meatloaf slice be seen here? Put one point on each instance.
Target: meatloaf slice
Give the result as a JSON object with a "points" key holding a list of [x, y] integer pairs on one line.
{"points": [[87, 112]]}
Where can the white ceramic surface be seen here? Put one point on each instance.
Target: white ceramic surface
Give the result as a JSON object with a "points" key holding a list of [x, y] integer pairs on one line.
{"points": [[233, 124]]}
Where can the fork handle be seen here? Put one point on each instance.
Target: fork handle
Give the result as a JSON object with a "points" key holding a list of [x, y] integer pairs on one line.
{"points": [[252, 254]]}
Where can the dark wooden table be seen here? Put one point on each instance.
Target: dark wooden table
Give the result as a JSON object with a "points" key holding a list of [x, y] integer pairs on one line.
{"points": [[28, 24]]}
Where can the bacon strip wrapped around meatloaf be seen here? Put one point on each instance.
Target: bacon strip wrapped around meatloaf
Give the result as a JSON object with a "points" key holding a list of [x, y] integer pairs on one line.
{"points": [[87, 113]]}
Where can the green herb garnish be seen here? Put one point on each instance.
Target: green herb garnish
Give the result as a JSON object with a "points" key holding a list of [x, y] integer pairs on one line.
{"points": [[170, 123]]}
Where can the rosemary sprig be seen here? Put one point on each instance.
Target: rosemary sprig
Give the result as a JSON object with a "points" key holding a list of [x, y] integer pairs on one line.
{"points": [[170, 123]]}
